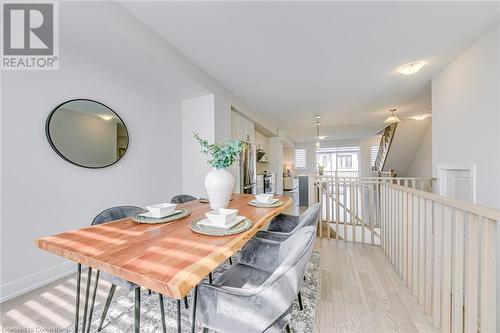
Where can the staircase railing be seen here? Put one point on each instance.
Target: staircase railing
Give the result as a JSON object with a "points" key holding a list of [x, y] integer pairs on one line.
{"points": [[444, 250], [350, 205], [384, 146]]}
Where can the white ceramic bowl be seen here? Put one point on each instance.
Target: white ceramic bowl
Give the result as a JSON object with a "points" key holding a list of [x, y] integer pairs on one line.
{"points": [[162, 209], [264, 198], [221, 216]]}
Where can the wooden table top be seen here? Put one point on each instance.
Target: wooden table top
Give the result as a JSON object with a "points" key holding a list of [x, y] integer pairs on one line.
{"points": [[168, 258]]}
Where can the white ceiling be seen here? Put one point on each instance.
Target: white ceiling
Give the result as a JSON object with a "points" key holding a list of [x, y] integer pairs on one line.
{"points": [[291, 60]]}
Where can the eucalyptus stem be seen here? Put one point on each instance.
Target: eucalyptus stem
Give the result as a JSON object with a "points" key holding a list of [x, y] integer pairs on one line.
{"points": [[222, 155]]}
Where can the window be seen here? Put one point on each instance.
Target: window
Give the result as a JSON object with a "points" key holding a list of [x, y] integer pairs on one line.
{"points": [[339, 161], [344, 161], [374, 153], [300, 158]]}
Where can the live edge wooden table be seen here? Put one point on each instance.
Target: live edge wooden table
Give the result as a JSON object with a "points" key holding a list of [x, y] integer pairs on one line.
{"points": [[168, 258]]}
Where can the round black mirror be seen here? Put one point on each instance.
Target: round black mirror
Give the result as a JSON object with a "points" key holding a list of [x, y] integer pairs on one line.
{"points": [[87, 133]]}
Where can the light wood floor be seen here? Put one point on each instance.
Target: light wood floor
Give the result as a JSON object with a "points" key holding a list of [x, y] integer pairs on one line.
{"points": [[360, 292]]}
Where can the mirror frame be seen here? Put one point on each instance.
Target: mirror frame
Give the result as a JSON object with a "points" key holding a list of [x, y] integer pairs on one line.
{"points": [[47, 133]]}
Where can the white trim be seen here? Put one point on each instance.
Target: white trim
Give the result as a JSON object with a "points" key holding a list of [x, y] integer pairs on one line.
{"points": [[442, 174], [29, 282]]}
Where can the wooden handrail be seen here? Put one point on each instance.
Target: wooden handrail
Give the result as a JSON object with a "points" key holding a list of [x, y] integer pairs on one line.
{"points": [[488, 212]]}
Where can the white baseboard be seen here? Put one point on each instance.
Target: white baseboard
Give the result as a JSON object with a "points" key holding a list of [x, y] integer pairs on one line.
{"points": [[23, 285]]}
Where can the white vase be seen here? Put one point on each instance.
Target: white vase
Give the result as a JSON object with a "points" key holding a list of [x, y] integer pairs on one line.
{"points": [[219, 184]]}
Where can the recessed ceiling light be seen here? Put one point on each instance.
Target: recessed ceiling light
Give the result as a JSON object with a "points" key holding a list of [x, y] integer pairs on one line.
{"points": [[422, 116], [321, 137], [411, 68]]}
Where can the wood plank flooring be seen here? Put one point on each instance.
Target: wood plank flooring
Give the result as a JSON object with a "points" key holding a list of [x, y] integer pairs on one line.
{"points": [[359, 292]]}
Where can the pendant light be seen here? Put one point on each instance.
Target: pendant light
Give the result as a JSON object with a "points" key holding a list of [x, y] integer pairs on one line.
{"points": [[392, 119], [318, 145]]}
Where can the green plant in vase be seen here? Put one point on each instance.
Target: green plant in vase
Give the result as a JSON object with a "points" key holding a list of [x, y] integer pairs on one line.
{"points": [[219, 182]]}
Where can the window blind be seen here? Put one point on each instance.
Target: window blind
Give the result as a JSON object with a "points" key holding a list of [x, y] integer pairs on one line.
{"points": [[374, 153], [300, 158]]}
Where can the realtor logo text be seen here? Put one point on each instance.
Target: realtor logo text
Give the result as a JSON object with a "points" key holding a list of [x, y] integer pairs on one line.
{"points": [[30, 36]]}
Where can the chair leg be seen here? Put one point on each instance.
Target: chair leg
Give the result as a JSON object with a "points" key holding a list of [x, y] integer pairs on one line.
{"points": [[149, 291], [106, 306], [77, 305], [210, 278], [287, 328], [137, 310], [87, 294], [162, 312], [299, 296], [94, 292], [179, 328], [186, 304], [230, 261]]}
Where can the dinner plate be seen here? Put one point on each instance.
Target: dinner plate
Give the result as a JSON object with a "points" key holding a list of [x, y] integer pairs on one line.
{"points": [[141, 218], [243, 226], [150, 216], [256, 203], [206, 222]]}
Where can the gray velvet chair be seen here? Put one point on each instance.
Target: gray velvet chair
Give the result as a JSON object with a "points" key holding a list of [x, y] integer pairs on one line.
{"points": [[182, 198], [112, 214], [257, 294], [284, 225]]}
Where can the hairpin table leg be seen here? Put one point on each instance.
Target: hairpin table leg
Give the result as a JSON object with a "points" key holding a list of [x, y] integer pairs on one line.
{"points": [[87, 294], [77, 305], [193, 317], [137, 307], [162, 312], [94, 292]]}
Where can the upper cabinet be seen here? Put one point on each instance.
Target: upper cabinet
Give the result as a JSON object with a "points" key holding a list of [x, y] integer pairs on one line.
{"points": [[242, 128]]}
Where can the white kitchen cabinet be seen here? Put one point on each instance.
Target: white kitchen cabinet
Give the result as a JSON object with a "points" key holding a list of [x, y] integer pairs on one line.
{"points": [[242, 128], [250, 131]]}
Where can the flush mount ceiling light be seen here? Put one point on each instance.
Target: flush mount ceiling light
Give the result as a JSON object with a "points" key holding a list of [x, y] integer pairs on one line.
{"points": [[318, 145], [422, 116], [411, 68], [392, 119]]}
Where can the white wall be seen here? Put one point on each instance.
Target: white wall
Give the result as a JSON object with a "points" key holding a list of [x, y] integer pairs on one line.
{"points": [[42, 194], [197, 116], [466, 120], [466, 115], [288, 156], [405, 145], [421, 165]]}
